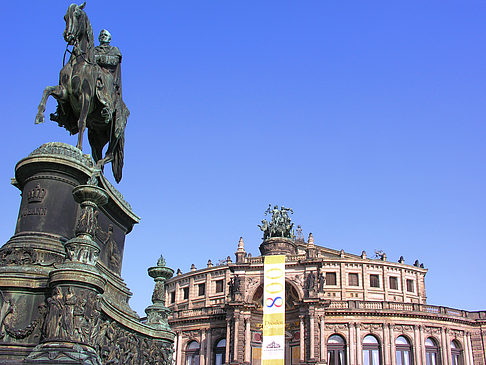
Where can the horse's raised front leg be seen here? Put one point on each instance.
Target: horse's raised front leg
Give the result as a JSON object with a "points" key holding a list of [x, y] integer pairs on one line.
{"points": [[57, 91]]}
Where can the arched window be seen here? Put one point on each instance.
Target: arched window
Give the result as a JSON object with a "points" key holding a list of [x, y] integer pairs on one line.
{"points": [[192, 353], [219, 352], [371, 350], [404, 351], [456, 353], [336, 350], [432, 352]]}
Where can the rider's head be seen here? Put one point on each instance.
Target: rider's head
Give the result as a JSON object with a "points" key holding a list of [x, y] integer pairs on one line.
{"points": [[104, 37]]}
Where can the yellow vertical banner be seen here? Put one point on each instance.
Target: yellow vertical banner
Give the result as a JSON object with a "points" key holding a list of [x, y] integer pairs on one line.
{"points": [[273, 346]]}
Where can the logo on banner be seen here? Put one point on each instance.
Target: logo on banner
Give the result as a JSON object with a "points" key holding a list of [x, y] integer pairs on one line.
{"points": [[277, 302], [273, 345]]}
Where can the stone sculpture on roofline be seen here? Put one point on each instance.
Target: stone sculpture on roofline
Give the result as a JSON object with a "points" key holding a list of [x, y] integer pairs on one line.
{"points": [[62, 297], [278, 234]]}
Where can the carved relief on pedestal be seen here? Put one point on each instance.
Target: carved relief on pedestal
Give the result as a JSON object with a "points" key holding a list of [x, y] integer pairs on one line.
{"points": [[116, 345], [27, 256], [72, 314]]}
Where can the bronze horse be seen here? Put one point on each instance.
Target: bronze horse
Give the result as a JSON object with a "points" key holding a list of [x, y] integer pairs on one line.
{"points": [[88, 96]]}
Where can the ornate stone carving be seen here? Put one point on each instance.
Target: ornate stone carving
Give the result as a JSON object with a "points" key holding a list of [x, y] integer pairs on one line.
{"points": [[371, 327], [17, 256], [72, 314], [191, 334], [457, 333], [432, 330], [252, 283], [36, 195], [82, 248], [299, 279], [25, 332], [64, 150], [111, 248], [336, 326], [403, 328]]}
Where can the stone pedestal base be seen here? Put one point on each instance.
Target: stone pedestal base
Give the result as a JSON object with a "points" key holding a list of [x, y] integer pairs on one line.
{"points": [[278, 246]]}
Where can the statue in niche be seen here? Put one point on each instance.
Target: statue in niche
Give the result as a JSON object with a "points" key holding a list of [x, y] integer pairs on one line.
{"points": [[322, 282], [310, 282]]}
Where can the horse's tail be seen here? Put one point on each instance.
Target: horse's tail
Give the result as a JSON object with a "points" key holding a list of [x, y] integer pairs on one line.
{"points": [[117, 163]]}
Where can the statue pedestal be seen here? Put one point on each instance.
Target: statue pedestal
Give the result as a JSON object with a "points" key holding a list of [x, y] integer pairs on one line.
{"points": [[278, 246], [62, 299]]}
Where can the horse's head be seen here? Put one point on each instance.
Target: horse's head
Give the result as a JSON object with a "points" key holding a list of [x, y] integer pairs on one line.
{"points": [[75, 23]]}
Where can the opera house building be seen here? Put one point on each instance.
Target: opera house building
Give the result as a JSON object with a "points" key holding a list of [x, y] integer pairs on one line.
{"points": [[340, 308]]}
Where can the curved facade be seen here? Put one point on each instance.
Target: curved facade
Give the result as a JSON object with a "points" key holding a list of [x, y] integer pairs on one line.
{"points": [[354, 310]]}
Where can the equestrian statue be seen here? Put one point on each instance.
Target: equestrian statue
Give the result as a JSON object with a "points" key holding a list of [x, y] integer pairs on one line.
{"points": [[89, 93]]}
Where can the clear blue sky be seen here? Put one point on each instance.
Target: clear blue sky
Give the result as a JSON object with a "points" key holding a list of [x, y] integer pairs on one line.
{"points": [[366, 117]]}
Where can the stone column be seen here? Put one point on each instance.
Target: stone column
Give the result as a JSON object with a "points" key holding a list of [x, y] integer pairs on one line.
{"points": [[228, 340], [466, 349], [312, 336], [393, 354], [302, 334], [323, 341], [422, 344], [358, 344], [448, 343], [352, 350], [417, 348], [247, 340], [235, 337], [443, 339], [202, 347], [386, 343], [471, 359], [179, 348], [208, 347]]}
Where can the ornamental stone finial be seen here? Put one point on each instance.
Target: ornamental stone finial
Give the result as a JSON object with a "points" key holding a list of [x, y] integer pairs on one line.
{"points": [[161, 261], [241, 245], [157, 313], [310, 242]]}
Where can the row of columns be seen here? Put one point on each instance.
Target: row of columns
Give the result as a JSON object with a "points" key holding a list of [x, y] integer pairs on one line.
{"points": [[313, 323], [388, 351]]}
